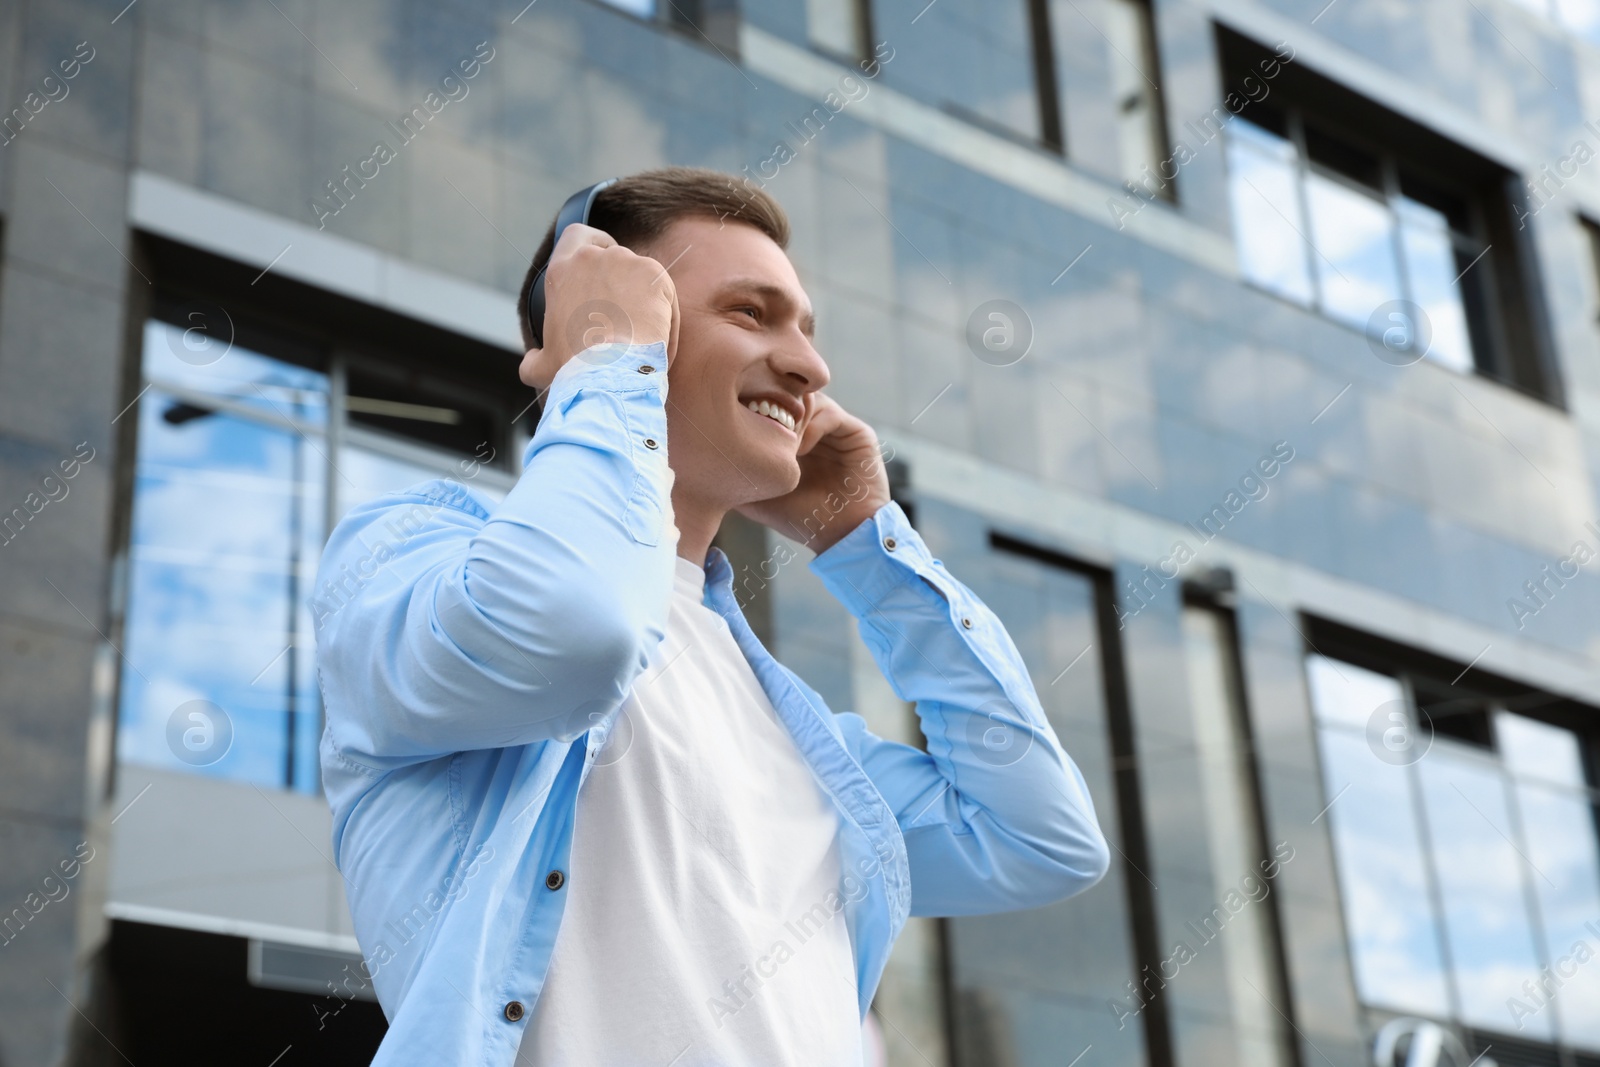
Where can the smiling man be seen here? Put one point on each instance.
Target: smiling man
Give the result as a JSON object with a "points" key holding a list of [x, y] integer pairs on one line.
{"points": [[583, 817]]}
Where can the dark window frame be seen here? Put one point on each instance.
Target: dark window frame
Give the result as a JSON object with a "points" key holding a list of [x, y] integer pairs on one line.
{"points": [[1410, 666], [1221, 600], [1508, 319], [319, 330], [1135, 848]]}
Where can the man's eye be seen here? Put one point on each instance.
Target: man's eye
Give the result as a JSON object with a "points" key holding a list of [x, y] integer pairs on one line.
{"points": [[754, 312]]}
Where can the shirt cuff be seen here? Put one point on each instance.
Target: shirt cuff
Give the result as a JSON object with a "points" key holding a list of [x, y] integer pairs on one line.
{"points": [[880, 554], [614, 368]]}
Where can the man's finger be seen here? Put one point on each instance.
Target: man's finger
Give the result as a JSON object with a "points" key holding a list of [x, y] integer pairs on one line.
{"points": [[826, 416], [672, 340], [577, 235]]}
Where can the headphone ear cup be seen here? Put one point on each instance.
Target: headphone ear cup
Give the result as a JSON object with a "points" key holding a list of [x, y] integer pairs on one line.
{"points": [[536, 309], [574, 210]]}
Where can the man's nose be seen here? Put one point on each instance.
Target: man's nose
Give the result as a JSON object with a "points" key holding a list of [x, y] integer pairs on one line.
{"points": [[800, 362]]}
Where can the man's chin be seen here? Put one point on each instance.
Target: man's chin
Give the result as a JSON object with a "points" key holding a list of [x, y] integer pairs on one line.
{"points": [[773, 480]]}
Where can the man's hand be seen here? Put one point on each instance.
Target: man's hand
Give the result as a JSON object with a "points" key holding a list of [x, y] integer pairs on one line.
{"points": [[598, 292], [842, 479]]}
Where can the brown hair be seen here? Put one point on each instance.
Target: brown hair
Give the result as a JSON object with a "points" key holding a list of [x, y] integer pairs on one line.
{"points": [[639, 208]]}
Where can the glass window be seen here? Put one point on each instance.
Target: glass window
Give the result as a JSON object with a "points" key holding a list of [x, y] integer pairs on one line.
{"points": [[1557, 816], [1034, 987], [645, 9], [1394, 947], [1581, 17], [1539, 751], [1130, 36], [1233, 832], [237, 453], [1487, 922], [226, 530], [1431, 264], [1469, 872], [1269, 227], [1338, 228], [972, 58], [838, 26], [1351, 232]]}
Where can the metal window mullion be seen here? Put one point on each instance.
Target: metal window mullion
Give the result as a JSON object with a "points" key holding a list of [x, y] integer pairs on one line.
{"points": [[297, 480], [338, 388], [1429, 868], [1047, 86], [1391, 195], [338, 381], [862, 10], [1297, 137]]}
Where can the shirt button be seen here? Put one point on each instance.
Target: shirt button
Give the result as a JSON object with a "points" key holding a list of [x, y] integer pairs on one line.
{"points": [[967, 623], [650, 442], [514, 1011], [647, 369], [554, 880], [888, 542]]}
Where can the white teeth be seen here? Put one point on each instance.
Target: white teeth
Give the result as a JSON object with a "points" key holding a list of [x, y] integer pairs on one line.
{"points": [[771, 411]]}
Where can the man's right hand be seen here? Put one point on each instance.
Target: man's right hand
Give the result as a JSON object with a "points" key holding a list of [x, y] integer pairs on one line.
{"points": [[598, 292]]}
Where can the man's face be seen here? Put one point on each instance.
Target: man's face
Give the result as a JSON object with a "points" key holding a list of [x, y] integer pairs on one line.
{"points": [[744, 335]]}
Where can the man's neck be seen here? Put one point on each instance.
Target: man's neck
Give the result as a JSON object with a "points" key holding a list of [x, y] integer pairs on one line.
{"points": [[697, 523]]}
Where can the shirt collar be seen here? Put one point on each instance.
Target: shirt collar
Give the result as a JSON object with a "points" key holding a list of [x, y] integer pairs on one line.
{"points": [[718, 572]]}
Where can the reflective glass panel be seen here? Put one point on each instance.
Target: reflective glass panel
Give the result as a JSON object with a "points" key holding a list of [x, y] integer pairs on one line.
{"points": [[227, 526], [203, 357], [836, 26], [1133, 86], [1582, 17], [1431, 272], [1558, 824], [645, 9], [1534, 749], [1346, 695], [1480, 875], [1032, 988], [1394, 943], [1232, 835], [972, 56], [1353, 237], [1268, 224], [1383, 882]]}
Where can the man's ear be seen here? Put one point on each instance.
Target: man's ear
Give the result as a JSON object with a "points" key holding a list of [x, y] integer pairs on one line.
{"points": [[529, 370]]}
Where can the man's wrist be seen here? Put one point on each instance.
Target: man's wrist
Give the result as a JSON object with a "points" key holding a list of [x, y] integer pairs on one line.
{"points": [[844, 524], [617, 359], [874, 559]]}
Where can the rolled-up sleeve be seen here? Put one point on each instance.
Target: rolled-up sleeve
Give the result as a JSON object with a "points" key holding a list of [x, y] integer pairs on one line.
{"points": [[995, 814], [444, 625]]}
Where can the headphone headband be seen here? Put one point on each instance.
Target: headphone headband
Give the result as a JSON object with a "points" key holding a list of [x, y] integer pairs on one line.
{"points": [[575, 210]]}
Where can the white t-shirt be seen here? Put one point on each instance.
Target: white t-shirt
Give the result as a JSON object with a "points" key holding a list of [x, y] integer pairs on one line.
{"points": [[697, 932]]}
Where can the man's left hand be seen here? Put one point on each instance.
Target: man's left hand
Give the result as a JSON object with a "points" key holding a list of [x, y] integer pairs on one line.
{"points": [[842, 479]]}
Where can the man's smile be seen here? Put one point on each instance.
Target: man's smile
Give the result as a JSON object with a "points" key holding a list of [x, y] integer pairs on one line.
{"points": [[773, 412]]}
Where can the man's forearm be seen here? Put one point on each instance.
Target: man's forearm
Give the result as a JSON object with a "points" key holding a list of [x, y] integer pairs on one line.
{"points": [[995, 813]]}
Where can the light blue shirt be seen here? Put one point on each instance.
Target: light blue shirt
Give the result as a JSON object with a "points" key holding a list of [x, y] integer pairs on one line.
{"points": [[471, 659]]}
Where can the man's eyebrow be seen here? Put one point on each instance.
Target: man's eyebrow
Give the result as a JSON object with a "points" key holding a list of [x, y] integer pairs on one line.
{"points": [[808, 321]]}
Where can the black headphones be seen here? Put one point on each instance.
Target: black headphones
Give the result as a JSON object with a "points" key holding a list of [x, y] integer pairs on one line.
{"points": [[576, 209]]}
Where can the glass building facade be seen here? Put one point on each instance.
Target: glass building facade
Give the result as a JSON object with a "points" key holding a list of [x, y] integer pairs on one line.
{"points": [[1242, 357]]}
